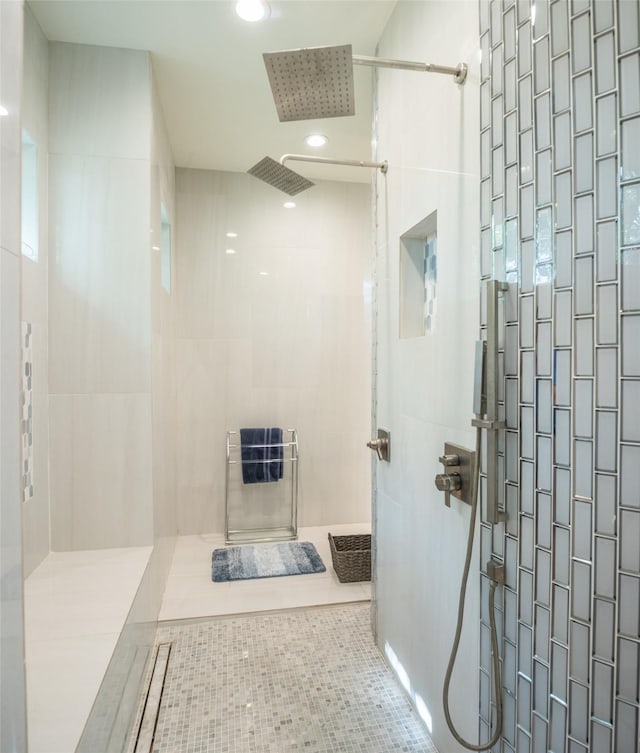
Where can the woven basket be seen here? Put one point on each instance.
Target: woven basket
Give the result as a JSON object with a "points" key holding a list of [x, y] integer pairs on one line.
{"points": [[351, 557]]}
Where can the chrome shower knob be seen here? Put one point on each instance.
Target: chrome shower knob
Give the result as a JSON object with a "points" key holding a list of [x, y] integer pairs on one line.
{"points": [[381, 445], [377, 445], [449, 482]]}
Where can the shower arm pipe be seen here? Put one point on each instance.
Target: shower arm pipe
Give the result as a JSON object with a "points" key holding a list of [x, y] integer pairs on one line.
{"points": [[459, 72], [383, 166]]}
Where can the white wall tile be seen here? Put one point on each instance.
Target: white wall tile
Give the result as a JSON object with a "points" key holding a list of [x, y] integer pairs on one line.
{"points": [[290, 348], [34, 298], [101, 103], [424, 384], [100, 471], [163, 365], [11, 615], [99, 309], [10, 125], [13, 734]]}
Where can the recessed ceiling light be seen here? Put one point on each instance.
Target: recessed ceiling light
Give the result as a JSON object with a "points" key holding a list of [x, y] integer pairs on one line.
{"points": [[230, 251], [252, 10], [264, 274], [289, 205], [232, 235], [316, 139], [155, 248], [3, 111]]}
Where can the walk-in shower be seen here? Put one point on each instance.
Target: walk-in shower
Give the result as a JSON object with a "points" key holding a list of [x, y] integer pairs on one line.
{"points": [[317, 82], [287, 180], [461, 478]]}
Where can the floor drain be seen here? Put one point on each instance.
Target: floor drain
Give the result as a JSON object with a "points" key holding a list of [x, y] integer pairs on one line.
{"points": [[149, 720]]}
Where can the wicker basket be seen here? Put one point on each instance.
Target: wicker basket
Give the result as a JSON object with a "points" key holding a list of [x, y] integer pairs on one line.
{"points": [[351, 557]]}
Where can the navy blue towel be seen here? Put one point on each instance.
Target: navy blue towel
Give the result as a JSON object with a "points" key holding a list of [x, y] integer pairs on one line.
{"points": [[262, 455]]}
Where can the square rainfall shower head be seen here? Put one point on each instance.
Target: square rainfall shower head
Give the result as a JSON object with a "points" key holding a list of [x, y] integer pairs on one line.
{"points": [[279, 176], [313, 82]]}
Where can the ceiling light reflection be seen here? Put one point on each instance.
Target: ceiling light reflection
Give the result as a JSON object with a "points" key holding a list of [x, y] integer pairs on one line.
{"points": [[252, 10], [316, 139]]}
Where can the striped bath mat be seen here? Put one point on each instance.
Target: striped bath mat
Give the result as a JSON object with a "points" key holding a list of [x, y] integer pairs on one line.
{"points": [[265, 561]]}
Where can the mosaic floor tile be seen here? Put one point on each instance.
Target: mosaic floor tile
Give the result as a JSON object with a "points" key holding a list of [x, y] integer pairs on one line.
{"points": [[299, 680]]}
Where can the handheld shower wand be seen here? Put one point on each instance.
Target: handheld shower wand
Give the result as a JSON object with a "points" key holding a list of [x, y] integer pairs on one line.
{"points": [[485, 408]]}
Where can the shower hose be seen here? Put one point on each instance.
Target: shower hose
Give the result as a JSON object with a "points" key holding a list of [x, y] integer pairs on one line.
{"points": [[492, 621]]}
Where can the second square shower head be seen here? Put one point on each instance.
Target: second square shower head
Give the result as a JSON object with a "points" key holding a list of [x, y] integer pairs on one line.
{"points": [[281, 177], [317, 82]]}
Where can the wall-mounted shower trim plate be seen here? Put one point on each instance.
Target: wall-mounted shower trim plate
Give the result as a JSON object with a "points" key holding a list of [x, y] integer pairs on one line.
{"points": [[464, 470], [382, 445]]}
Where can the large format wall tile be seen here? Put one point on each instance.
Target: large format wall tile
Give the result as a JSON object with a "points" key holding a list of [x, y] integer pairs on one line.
{"points": [[426, 129], [102, 103], [276, 334], [12, 683], [99, 304], [34, 295], [11, 44], [100, 471], [13, 725]]}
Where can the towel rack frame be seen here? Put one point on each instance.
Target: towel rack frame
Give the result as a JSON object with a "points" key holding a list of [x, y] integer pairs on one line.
{"points": [[287, 532]]}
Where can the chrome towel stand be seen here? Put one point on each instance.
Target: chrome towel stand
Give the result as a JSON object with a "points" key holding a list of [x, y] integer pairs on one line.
{"points": [[234, 533]]}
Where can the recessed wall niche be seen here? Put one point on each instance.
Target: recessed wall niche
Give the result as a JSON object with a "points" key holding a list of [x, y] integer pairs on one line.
{"points": [[418, 278]]}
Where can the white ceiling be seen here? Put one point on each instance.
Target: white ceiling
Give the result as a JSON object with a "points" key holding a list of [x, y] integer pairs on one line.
{"points": [[211, 78]]}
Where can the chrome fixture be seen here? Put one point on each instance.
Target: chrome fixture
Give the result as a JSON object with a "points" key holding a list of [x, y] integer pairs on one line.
{"points": [[281, 177], [459, 472], [287, 180], [485, 401], [317, 82], [382, 445], [485, 408]]}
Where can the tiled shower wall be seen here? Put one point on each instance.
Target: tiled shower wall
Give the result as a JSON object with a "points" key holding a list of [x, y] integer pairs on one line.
{"points": [[13, 729], [560, 217], [34, 308]]}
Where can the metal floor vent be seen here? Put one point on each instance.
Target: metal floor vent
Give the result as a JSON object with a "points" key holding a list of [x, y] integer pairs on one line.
{"points": [[149, 720]]}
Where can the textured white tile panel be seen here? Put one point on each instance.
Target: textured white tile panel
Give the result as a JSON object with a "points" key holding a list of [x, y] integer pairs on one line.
{"points": [[101, 489], [101, 101]]}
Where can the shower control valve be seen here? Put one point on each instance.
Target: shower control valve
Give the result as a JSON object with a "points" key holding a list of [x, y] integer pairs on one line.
{"points": [[459, 469], [448, 482]]}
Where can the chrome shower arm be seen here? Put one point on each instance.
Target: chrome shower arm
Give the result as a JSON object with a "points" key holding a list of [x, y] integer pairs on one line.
{"points": [[383, 166], [459, 73]]}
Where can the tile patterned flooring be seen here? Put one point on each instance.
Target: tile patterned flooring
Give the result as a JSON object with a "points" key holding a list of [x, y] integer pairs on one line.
{"points": [[276, 665], [297, 680]]}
